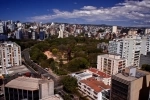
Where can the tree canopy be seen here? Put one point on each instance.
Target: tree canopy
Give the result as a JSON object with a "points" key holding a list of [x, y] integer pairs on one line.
{"points": [[77, 64], [69, 84], [146, 67]]}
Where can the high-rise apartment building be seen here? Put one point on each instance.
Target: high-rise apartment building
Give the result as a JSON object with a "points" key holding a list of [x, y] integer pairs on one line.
{"points": [[128, 48], [111, 64], [61, 31], [1, 27], [114, 29], [147, 31], [145, 45], [10, 55], [131, 84]]}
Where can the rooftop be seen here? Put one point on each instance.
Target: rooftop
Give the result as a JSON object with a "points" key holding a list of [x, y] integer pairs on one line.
{"points": [[9, 44], [17, 69], [112, 56], [25, 83], [126, 76], [97, 86], [84, 74], [99, 73]]}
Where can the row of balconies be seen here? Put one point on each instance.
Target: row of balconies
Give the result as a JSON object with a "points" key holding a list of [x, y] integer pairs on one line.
{"points": [[88, 93], [87, 88]]}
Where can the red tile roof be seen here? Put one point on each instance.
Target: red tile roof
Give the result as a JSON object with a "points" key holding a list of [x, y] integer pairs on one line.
{"points": [[99, 73], [97, 86]]}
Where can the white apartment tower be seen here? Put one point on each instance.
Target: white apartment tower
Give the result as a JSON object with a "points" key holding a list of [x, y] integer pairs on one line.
{"points": [[145, 45], [128, 48], [61, 31], [1, 28], [10, 55], [111, 64], [147, 31], [114, 29]]}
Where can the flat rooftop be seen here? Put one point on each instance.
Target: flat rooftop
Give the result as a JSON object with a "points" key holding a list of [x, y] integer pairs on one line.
{"points": [[26, 83], [139, 74], [97, 86], [112, 56], [84, 74], [17, 69]]}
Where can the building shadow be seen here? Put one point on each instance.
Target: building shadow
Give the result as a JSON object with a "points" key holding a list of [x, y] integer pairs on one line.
{"points": [[144, 92]]}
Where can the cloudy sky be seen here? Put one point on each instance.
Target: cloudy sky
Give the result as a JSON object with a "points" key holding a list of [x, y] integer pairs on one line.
{"points": [[112, 12]]}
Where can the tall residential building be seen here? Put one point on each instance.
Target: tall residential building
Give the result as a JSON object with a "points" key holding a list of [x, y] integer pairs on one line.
{"points": [[42, 35], [61, 31], [10, 55], [25, 88], [147, 31], [145, 45], [131, 84], [111, 64], [128, 48], [114, 29], [1, 28]]}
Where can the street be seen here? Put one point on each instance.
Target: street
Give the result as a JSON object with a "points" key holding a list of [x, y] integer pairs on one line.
{"points": [[40, 70]]}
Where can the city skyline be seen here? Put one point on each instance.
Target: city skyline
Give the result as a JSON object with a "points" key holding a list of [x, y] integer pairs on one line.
{"points": [[116, 12]]}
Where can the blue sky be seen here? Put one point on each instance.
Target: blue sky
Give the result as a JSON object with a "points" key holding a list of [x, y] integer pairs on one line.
{"points": [[113, 12]]}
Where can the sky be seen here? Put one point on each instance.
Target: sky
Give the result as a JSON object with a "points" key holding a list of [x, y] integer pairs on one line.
{"points": [[111, 12]]}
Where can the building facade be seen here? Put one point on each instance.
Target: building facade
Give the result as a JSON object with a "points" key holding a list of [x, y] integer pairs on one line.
{"points": [[10, 55], [1, 28], [95, 90], [128, 48], [24, 88], [100, 76], [145, 45], [132, 84], [114, 29], [111, 64]]}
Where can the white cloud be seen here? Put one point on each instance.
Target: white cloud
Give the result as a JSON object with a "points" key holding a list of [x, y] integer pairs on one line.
{"points": [[127, 11], [89, 8]]}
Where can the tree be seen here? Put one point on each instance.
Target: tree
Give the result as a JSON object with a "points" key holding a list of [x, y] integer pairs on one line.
{"points": [[146, 67], [67, 97], [44, 64], [54, 51], [69, 84], [77, 64]]}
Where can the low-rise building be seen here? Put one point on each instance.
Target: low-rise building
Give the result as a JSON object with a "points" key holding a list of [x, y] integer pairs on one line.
{"points": [[99, 75], [94, 89], [82, 75], [28, 88]]}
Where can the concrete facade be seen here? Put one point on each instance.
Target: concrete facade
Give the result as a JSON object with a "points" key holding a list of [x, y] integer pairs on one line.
{"points": [[128, 48], [130, 86], [10, 55], [111, 64], [28, 88], [94, 89]]}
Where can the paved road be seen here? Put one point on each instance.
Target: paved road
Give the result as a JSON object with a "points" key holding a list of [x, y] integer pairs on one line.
{"points": [[40, 70]]}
